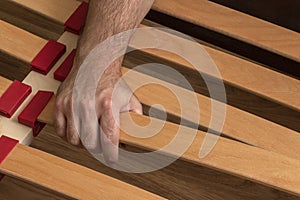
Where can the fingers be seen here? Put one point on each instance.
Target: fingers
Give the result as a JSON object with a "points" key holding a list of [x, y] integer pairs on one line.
{"points": [[135, 105], [72, 134], [60, 124], [64, 124], [109, 129], [89, 128]]}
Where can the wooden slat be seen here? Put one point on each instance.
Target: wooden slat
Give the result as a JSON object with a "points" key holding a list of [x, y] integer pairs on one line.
{"points": [[234, 24], [181, 179], [228, 156], [50, 8], [238, 124], [19, 43], [251, 77], [236, 71], [263, 82], [200, 12], [66, 177], [4, 84]]}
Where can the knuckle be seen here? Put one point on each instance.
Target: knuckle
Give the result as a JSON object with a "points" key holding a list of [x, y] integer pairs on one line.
{"points": [[58, 104], [106, 103]]}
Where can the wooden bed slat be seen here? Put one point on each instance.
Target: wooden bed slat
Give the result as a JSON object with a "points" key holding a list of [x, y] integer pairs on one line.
{"points": [[228, 156], [237, 124], [239, 72], [4, 84], [261, 82], [65, 177], [50, 8], [200, 12], [234, 24], [19, 43]]}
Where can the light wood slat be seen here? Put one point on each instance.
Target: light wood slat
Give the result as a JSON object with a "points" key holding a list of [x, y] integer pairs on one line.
{"points": [[234, 24], [65, 177], [228, 156], [234, 70], [201, 12], [19, 43], [191, 181], [256, 136], [238, 124], [259, 80], [251, 77], [55, 9], [4, 84]]}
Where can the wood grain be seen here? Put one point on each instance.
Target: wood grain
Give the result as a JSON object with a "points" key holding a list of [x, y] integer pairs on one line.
{"points": [[66, 177], [205, 13], [237, 124], [180, 180], [4, 84], [50, 8], [234, 24], [234, 70], [232, 157], [18, 43], [251, 77]]}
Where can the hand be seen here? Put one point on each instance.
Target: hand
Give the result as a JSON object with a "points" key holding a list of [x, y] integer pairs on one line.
{"points": [[95, 139]]}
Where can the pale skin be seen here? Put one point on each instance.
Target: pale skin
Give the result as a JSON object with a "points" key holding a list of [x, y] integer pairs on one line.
{"points": [[105, 18]]}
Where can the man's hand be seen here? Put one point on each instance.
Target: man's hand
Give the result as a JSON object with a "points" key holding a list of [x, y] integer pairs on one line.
{"points": [[105, 19], [107, 109]]}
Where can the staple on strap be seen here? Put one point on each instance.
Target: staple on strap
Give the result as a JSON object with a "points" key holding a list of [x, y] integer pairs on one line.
{"points": [[48, 56], [76, 21], [13, 97], [34, 108], [64, 69]]}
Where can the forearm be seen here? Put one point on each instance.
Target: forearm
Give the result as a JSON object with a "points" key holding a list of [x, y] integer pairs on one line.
{"points": [[107, 18]]}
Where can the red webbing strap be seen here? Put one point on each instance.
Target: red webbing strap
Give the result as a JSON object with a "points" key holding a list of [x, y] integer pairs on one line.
{"points": [[6, 146]]}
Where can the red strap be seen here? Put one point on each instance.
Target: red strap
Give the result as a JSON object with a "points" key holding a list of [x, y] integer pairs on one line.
{"points": [[76, 21], [13, 97], [64, 69], [48, 56], [6, 146], [34, 108]]}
